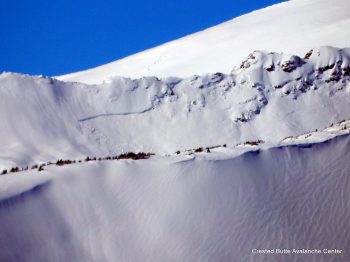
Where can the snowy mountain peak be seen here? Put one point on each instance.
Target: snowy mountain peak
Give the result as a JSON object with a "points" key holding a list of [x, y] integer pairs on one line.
{"points": [[292, 27]]}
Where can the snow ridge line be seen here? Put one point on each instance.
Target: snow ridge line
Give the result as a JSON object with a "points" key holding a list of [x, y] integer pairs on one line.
{"points": [[304, 140], [10, 200]]}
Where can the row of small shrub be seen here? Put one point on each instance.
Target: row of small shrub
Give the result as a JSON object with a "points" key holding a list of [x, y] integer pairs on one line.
{"points": [[200, 149], [253, 143], [18, 169], [61, 162]]}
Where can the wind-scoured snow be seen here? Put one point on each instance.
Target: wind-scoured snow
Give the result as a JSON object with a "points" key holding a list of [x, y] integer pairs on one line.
{"points": [[268, 97], [292, 27]]}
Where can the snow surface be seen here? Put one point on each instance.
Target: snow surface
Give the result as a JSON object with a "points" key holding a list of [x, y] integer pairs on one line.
{"points": [[271, 186], [168, 209], [292, 27], [269, 97]]}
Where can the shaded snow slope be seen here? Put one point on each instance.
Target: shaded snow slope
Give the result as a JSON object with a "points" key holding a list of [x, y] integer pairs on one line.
{"points": [[292, 27], [269, 97], [165, 209]]}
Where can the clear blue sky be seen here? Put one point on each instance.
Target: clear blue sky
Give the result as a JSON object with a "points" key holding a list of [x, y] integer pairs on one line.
{"points": [[54, 37]]}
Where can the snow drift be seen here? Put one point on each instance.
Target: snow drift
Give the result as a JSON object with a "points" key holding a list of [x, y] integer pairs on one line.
{"points": [[173, 209]]}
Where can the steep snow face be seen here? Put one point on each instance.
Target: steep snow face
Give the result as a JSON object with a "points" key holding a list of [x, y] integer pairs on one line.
{"points": [[292, 27], [269, 97], [167, 209]]}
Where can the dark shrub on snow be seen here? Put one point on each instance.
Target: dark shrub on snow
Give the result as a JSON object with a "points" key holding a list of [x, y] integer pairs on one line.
{"points": [[198, 150], [135, 156]]}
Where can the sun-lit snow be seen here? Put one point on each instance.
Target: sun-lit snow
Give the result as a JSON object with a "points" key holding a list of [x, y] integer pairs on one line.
{"points": [[291, 27], [268, 97], [251, 148]]}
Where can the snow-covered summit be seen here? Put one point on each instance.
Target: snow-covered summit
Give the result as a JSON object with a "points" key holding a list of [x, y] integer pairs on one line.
{"points": [[292, 27]]}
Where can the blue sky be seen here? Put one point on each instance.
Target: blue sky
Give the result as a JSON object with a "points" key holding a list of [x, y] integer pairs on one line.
{"points": [[57, 37]]}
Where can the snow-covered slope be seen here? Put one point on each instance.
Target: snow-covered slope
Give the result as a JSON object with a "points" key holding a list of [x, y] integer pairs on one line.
{"points": [[291, 27], [235, 166], [268, 97], [173, 209]]}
